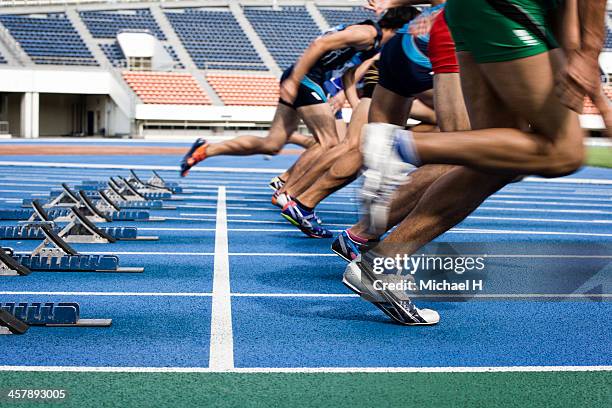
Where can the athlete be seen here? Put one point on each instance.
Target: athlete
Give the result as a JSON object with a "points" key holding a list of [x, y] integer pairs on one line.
{"points": [[405, 73], [509, 60], [302, 95]]}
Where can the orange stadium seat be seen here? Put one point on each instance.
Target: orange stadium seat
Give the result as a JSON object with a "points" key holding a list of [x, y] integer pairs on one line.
{"points": [[589, 107], [169, 88], [253, 90]]}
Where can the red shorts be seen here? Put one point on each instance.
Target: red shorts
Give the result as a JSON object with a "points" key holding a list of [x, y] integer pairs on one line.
{"points": [[441, 51]]}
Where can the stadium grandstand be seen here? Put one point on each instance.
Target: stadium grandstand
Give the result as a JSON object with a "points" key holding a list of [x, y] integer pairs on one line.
{"points": [[152, 69]]}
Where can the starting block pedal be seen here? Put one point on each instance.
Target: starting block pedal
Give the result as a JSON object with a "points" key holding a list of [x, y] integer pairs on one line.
{"points": [[9, 266], [20, 316], [55, 255], [9, 324], [157, 180]]}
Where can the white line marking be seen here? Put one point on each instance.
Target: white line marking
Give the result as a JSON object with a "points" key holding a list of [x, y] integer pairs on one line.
{"points": [[247, 170], [475, 217], [488, 369], [221, 334], [137, 167], [314, 295], [567, 180], [329, 254], [134, 294]]}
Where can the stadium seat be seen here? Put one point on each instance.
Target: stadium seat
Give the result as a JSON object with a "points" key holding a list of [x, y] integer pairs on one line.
{"points": [[285, 32], [168, 88], [346, 15], [214, 39], [49, 38], [589, 107], [253, 90], [107, 23]]}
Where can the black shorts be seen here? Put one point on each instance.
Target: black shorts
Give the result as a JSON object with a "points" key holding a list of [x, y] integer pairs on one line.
{"points": [[309, 92], [399, 74], [370, 80]]}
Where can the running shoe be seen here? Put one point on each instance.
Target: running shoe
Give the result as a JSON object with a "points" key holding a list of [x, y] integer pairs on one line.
{"points": [[276, 183], [196, 154], [385, 172], [349, 249], [305, 220], [395, 303]]}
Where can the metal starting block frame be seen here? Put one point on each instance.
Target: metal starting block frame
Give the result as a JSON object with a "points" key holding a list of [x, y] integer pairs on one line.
{"points": [[9, 266], [55, 255], [131, 191], [158, 181], [80, 229], [16, 318], [145, 187]]}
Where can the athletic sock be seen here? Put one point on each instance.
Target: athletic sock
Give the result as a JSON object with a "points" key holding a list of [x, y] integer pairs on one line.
{"points": [[302, 206]]}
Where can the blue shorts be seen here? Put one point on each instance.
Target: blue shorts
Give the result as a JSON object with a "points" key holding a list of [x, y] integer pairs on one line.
{"points": [[309, 92], [399, 74]]}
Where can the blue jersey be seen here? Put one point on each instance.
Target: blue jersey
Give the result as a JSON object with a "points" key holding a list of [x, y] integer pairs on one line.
{"points": [[416, 47], [335, 63]]}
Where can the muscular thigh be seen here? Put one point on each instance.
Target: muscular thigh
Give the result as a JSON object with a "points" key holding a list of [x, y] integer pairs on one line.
{"points": [[527, 88], [485, 108], [284, 123], [320, 120]]}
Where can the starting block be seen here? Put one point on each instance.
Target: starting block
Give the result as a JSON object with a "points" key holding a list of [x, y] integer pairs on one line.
{"points": [[16, 318], [129, 200], [145, 187], [55, 255], [9, 324], [157, 180], [132, 193], [80, 229], [62, 214], [9, 266]]}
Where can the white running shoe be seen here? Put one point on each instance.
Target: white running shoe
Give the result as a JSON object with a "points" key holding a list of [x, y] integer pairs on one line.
{"points": [[385, 172], [395, 303]]}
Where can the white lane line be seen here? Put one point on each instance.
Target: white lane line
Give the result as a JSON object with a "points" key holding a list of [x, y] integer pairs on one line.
{"points": [[568, 197], [552, 203], [81, 166], [556, 220], [568, 180], [229, 229], [450, 369], [127, 294], [519, 232], [246, 170], [544, 210], [221, 333], [314, 295], [205, 215], [305, 254]]}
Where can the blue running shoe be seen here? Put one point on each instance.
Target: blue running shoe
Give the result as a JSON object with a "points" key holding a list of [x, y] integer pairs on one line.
{"points": [[305, 220], [349, 249], [196, 154]]}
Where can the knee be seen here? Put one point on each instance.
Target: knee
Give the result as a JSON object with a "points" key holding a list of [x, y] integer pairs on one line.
{"points": [[328, 143], [272, 148], [565, 159]]}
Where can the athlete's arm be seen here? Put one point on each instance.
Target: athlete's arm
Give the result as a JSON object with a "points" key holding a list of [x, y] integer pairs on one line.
{"points": [[581, 75], [358, 36], [353, 78]]}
